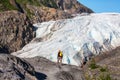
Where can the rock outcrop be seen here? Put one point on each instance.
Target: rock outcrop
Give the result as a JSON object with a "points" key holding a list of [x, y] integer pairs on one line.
{"points": [[64, 9], [13, 68], [72, 6], [15, 31], [54, 71], [42, 14]]}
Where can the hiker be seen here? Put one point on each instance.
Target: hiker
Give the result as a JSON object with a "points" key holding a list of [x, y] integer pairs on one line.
{"points": [[59, 57], [84, 61], [60, 4]]}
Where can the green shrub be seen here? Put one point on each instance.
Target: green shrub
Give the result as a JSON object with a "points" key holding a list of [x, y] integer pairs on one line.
{"points": [[104, 76], [101, 76], [5, 5], [30, 2], [103, 69], [49, 3], [93, 64]]}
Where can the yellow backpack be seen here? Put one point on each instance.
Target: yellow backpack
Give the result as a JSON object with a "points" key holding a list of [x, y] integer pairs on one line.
{"points": [[60, 54]]}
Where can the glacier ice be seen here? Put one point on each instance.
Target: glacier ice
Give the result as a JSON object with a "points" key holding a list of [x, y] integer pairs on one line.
{"points": [[79, 37]]}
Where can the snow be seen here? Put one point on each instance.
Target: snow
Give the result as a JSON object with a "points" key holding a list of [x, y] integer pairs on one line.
{"points": [[79, 37]]}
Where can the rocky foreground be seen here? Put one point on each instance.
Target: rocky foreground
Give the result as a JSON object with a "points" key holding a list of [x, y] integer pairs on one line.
{"points": [[38, 68], [13, 68]]}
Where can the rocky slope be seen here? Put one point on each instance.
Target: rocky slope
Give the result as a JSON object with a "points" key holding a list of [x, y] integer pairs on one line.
{"points": [[63, 9], [45, 10], [13, 68], [72, 6], [112, 61], [106, 66], [46, 14], [15, 31]]}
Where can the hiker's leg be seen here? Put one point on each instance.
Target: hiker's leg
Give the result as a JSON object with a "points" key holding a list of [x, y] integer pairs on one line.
{"points": [[82, 63], [61, 60], [58, 60]]}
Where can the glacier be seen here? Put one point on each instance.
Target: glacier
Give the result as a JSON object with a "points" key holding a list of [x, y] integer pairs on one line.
{"points": [[79, 37]]}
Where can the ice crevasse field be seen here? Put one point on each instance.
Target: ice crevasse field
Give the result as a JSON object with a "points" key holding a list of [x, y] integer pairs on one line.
{"points": [[79, 37]]}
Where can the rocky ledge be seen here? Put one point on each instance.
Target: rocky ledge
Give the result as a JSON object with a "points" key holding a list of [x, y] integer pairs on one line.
{"points": [[13, 68]]}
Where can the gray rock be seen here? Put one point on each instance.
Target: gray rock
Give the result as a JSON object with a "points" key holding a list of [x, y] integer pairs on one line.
{"points": [[15, 31], [54, 71], [14, 68]]}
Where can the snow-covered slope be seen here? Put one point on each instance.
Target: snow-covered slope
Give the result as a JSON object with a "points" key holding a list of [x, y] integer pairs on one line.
{"points": [[82, 36]]}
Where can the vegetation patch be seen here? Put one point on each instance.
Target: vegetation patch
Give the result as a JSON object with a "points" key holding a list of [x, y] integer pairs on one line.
{"points": [[103, 69], [99, 76], [96, 72], [93, 64], [5, 5], [49, 3], [30, 2], [104, 76]]}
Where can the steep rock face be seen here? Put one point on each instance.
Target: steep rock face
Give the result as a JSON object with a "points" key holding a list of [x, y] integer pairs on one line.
{"points": [[72, 6], [64, 9], [42, 14], [13, 68], [15, 31]]}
